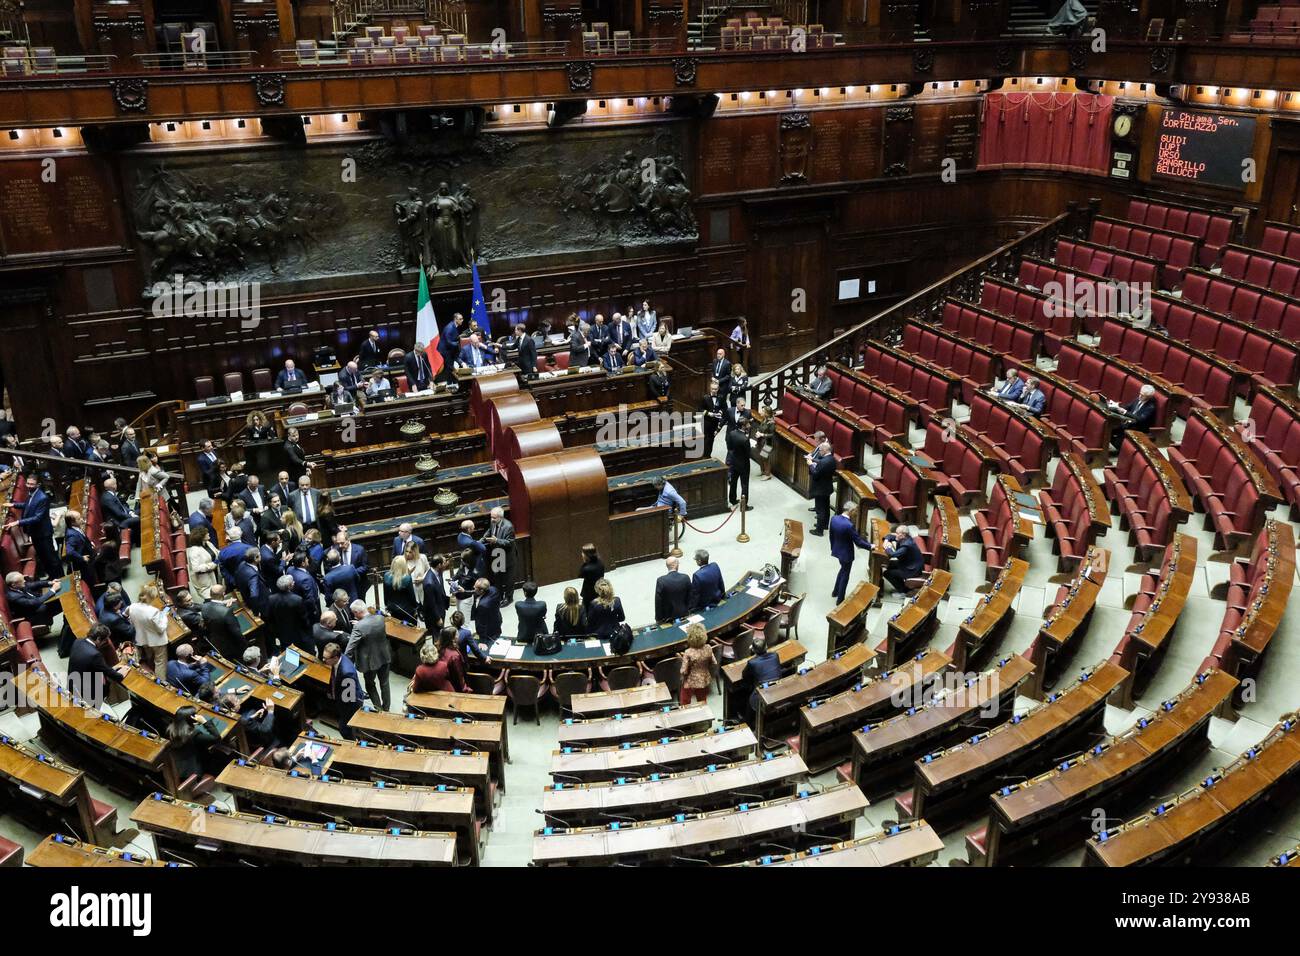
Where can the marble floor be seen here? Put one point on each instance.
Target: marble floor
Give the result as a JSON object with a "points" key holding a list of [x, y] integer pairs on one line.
{"points": [[509, 839]]}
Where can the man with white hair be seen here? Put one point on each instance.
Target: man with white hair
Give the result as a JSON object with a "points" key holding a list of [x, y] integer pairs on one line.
{"points": [[368, 648], [500, 541], [1138, 415], [187, 671], [290, 376], [405, 535], [228, 558], [326, 631], [286, 616], [905, 558]]}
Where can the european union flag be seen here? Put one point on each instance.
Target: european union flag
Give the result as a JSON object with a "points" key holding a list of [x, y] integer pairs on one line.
{"points": [[478, 311]]}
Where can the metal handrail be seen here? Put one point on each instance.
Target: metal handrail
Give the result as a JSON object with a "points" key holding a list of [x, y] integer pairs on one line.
{"points": [[33, 66], [77, 462], [1003, 262], [208, 59]]}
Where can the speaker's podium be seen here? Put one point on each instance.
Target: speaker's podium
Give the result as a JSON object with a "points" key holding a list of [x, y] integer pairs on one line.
{"points": [[266, 459]]}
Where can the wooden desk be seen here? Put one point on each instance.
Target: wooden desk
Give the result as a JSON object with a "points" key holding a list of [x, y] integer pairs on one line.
{"points": [[913, 624], [64, 852], [825, 727], [904, 844], [230, 678], [708, 836], [984, 626], [576, 764], [436, 733], [161, 699], [405, 640], [1064, 628], [45, 791], [778, 701], [1026, 818], [1145, 640], [883, 752], [1261, 620], [401, 764], [656, 724], [259, 788], [946, 781], [118, 755], [789, 654], [724, 784], [629, 701], [1188, 828], [446, 703], [847, 623], [78, 613], [191, 832]]}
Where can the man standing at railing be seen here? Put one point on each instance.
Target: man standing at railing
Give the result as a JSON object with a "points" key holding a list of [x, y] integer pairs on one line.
{"points": [[35, 522]]}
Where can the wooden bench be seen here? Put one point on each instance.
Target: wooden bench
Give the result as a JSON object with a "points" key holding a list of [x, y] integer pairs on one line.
{"points": [[435, 733], [779, 700], [663, 723], [916, 621], [984, 626], [628, 701], [1063, 629], [51, 794], [63, 852], [846, 624], [903, 844], [723, 745]]}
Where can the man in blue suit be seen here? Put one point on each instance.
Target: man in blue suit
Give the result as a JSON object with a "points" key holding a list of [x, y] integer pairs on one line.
{"points": [[611, 361], [1031, 398], [707, 588], [188, 672], [304, 585], [78, 552], [436, 601], [35, 521], [341, 576], [290, 376], [115, 509], [844, 538], [465, 540], [621, 333], [350, 553], [229, 557], [449, 346], [406, 535], [1009, 388], [345, 687], [905, 559], [474, 354], [485, 610], [203, 519], [248, 579]]}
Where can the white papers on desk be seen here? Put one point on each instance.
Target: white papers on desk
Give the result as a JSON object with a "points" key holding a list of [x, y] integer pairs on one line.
{"points": [[311, 416], [1033, 516], [591, 643], [500, 647], [695, 619], [755, 591], [606, 647], [164, 449], [237, 396], [515, 652]]}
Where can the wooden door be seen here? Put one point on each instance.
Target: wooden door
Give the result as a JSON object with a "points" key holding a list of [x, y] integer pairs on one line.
{"points": [[787, 291]]}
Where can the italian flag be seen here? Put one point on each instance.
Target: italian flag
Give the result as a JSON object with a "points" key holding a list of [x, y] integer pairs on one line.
{"points": [[426, 326]]}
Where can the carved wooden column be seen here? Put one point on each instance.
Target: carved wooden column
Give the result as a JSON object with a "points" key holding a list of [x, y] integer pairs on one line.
{"points": [[663, 19], [563, 21]]}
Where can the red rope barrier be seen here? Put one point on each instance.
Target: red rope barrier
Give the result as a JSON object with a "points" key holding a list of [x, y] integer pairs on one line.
{"points": [[734, 508]]}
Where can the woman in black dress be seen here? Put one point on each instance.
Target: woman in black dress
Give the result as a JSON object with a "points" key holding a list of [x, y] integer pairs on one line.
{"points": [[259, 429], [592, 570], [571, 616], [606, 611]]}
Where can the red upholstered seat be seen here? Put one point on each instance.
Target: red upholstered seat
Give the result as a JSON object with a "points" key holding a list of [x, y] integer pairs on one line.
{"points": [[11, 853]]}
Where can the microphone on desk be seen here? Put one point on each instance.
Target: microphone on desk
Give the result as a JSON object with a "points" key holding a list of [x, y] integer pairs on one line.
{"points": [[567, 776], [616, 816], [464, 744], [402, 824], [173, 854], [688, 859], [550, 818]]}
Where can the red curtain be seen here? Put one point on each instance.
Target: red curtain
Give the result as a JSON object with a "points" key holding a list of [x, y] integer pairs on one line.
{"points": [[1065, 131]]}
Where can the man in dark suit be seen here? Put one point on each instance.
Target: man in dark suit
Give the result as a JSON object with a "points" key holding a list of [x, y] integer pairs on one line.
{"points": [[611, 361], [284, 487], [436, 601], [88, 672], [286, 616], [345, 687], [419, 373], [485, 610], [249, 581], [500, 541], [304, 585], [341, 576], [114, 618], [713, 412], [306, 502], [371, 353], [369, 650], [844, 538], [449, 346], [905, 559], [707, 588], [294, 455], [475, 353], [224, 633], [290, 376], [341, 605], [202, 518], [406, 535], [621, 333], [269, 561], [821, 482], [1139, 414], [738, 464], [598, 336], [272, 522], [672, 594], [531, 614], [188, 672], [1031, 397], [720, 372], [78, 552], [128, 453], [254, 498], [351, 378], [465, 541], [116, 511], [35, 522], [352, 554], [527, 359], [26, 599]]}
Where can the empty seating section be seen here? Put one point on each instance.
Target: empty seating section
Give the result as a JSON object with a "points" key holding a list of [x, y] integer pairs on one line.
{"points": [[1020, 444], [997, 328], [974, 364], [1156, 608], [1074, 510], [1208, 383], [1001, 529], [942, 540], [770, 33], [1273, 25], [1214, 229], [1112, 378], [881, 411], [1255, 306], [804, 417], [1113, 264], [1263, 269], [933, 388], [1176, 252], [1080, 423], [960, 462], [1226, 478], [1262, 353], [1281, 239], [1147, 494], [1034, 308], [1272, 432], [1257, 595], [902, 489]]}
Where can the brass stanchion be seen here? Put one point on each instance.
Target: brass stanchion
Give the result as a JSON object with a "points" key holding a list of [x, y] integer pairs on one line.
{"points": [[676, 551], [744, 506]]}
